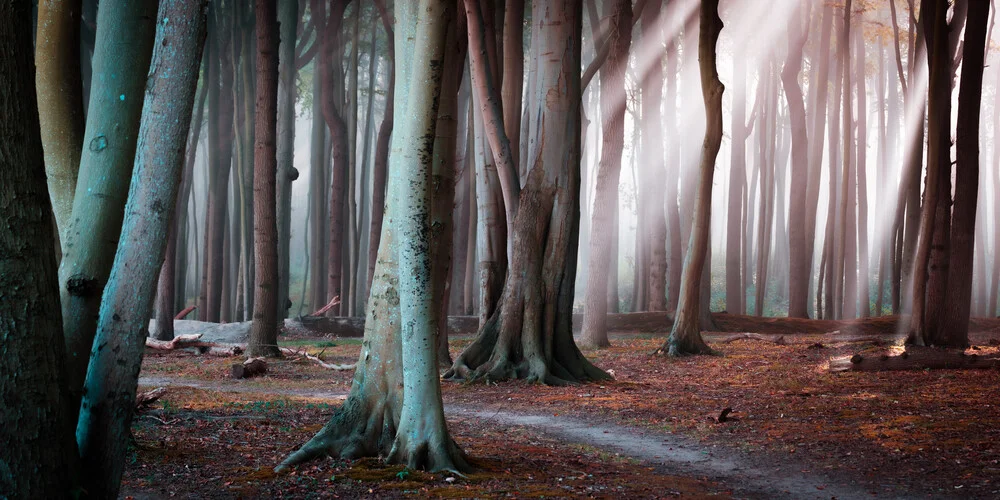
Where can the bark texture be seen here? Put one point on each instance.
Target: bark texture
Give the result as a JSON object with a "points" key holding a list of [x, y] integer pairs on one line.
{"points": [[112, 376], [288, 17], [530, 335], [37, 446]]}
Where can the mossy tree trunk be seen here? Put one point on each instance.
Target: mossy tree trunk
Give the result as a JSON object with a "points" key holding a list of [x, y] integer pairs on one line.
{"points": [[685, 336], [105, 171], [530, 336], [112, 376], [394, 408], [37, 446]]}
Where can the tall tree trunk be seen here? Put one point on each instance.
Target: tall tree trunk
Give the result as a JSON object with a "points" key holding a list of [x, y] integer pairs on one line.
{"points": [[685, 336], [105, 173], [958, 298], [930, 263], [995, 281], [264, 328], [37, 443], [799, 262], [530, 335], [819, 102], [288, 18], [595, 332], [735, 294], [361, 266], [513, 75], [318, 263], [673, 170], [60, 101], [379, 174], [653, 161], [843, 286], [113, 373], [394, 408], [863, 269]]}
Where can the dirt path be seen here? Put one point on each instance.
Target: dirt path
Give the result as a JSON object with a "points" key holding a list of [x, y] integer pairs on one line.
{"points": [[749, 477]]}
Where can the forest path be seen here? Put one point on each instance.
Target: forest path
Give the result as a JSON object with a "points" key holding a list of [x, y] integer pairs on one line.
{"points": [[748, 476]]}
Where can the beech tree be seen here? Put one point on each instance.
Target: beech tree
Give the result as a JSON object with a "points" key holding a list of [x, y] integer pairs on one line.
{"points": [[394, 408], [685, 336], [530, 334]]}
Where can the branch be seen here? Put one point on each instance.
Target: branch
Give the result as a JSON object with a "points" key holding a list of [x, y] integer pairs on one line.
{"points": [[603, 49]]}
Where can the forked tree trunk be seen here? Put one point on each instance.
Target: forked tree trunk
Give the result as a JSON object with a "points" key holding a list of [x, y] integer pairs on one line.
{"points": [[605, 228], [105, 172], [955, 323], [264, 328], [685, 336], [530, 334], [394, 408], [799, 264], [112, 376], [37, 442], [60, 101]]}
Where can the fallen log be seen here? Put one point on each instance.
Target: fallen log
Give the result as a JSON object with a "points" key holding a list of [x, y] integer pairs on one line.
{"points": [[321, 311], [924, 358], [776, 339], [184, 312], [249, 368], [194, 341]]}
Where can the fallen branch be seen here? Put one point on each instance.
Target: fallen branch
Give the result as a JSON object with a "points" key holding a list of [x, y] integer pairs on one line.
{"points": [[776, 339], [194, 341], [334, 301], [184, 312], [915, 359], [316, 359]]}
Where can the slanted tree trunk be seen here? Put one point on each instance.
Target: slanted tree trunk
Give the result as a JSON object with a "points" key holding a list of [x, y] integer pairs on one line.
{"points": [[613, 102], [60, 101], [530, 335], [958, 298], [288, 17], [264, 328], [112, 376], [37, 442], [685, 336], [394, 408], [105, 172], [799, 262]]}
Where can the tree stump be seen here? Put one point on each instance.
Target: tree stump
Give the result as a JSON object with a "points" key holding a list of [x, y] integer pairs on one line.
{"points": [[249, 368]]}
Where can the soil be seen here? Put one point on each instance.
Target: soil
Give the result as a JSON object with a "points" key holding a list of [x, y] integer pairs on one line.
{"points": [[795, 430]]}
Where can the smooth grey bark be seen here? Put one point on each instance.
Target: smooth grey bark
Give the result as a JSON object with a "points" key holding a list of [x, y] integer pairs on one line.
{"points": [[112, 375], [37, 446], [288, 19], [105, 171]]}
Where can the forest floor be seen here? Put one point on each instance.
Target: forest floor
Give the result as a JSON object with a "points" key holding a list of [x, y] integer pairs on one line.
{"points": [[795, 431]]}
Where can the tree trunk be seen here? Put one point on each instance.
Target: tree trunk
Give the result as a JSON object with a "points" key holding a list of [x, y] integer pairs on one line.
{"points": [[318, 263], [817, 136], [530, 335], [394, 408], [930, 273], [673, 170], [685, 337], [799, 261], [735, 293], [863, 269], [595, 333], [655, 241], [841, 295], [379, 173], [963, 229], [264, 329], [112, 376], [513, 75], [60, 101], [288, 17], [37, 443], [105, 173]]}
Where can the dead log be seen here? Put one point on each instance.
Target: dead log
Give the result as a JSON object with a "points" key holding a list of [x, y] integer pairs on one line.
{"points": [[144, 399], [184, 312], [915, 359], [775, 339], [249, 368], [194, 341], [322, 311]]}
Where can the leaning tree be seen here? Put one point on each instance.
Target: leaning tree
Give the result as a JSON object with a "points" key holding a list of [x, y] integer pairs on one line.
{"points": [[530, 334], [685, 336], [394, 408]]}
